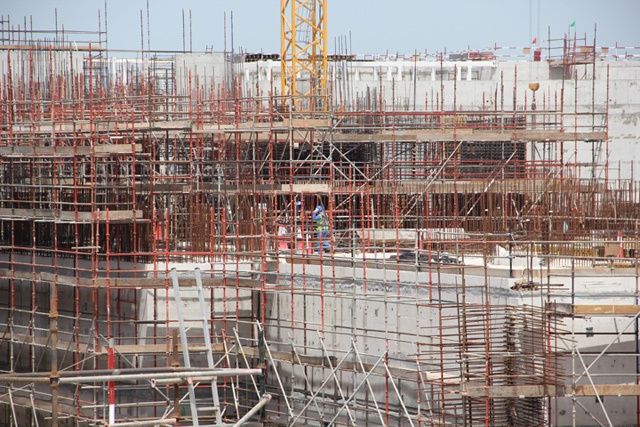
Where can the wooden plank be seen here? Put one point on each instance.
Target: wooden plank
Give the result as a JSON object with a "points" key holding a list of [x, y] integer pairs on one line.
{"points": [[460, 186], [565, 309], [128, 282], [69, 216], [231, 189], [308, 123], [506, 135], [158, 348], [612, 249], [41, 151], [63, 280], [6, 273], [127, 215], [520, 391], [22, 214], [515, 391], [608, 390], [172, 125], [603, 309], [117, 149], [146, 282], [254, 126], [375, 137], [380, 235]]}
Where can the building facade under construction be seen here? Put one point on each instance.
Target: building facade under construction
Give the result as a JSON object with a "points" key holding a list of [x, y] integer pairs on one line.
{"points": [[159, 263]]}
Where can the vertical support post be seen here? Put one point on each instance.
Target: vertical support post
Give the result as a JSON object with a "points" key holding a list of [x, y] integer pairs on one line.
{"points": [[175, 363], [53, 329], [111, 384]]}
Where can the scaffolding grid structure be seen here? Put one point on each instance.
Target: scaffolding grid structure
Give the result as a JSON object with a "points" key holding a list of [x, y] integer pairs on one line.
{"points": [[117, 192]]}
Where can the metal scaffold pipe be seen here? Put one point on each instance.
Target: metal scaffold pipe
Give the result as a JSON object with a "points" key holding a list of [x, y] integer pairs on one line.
{"points": [[175, 376], [265, 399], [146, 423], [178, 375]]}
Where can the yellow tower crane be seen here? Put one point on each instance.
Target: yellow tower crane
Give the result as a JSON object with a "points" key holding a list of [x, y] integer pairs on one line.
{"points": [[303, 54]]}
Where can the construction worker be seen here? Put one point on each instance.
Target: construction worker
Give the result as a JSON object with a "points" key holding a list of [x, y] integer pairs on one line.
{"points": [[322, 228], [299, 224], [299, 210]]}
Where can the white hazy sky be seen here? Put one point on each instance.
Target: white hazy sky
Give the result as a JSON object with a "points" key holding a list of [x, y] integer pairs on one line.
{"points": [[375, 26]]}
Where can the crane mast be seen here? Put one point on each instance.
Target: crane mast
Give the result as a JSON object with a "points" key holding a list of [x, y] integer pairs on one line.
{"points": [[303, 54]]}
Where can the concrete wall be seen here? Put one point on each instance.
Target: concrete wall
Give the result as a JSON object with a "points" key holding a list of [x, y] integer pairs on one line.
{"points": [[28, 65], [201, 71], [393, 314]]}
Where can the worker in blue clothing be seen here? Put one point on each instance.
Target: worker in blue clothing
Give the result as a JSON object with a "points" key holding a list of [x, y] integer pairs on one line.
{"points": [[299, 221], [322, 229]]}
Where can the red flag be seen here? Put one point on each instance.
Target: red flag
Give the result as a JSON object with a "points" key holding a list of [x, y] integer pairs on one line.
{"points": [[535, 40]]}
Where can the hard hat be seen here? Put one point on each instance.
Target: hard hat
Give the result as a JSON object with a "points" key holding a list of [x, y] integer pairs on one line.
{"points": [[299, 203], [319, 208]]}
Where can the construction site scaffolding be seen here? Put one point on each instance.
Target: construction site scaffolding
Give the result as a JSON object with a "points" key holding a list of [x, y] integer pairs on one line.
{"points": [[119, 193]]}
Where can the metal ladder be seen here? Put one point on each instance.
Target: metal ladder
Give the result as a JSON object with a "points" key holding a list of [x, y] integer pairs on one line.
{"points": [[185, 348]]}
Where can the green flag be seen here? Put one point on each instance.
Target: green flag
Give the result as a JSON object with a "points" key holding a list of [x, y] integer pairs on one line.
{"points": [[573, 24]]}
